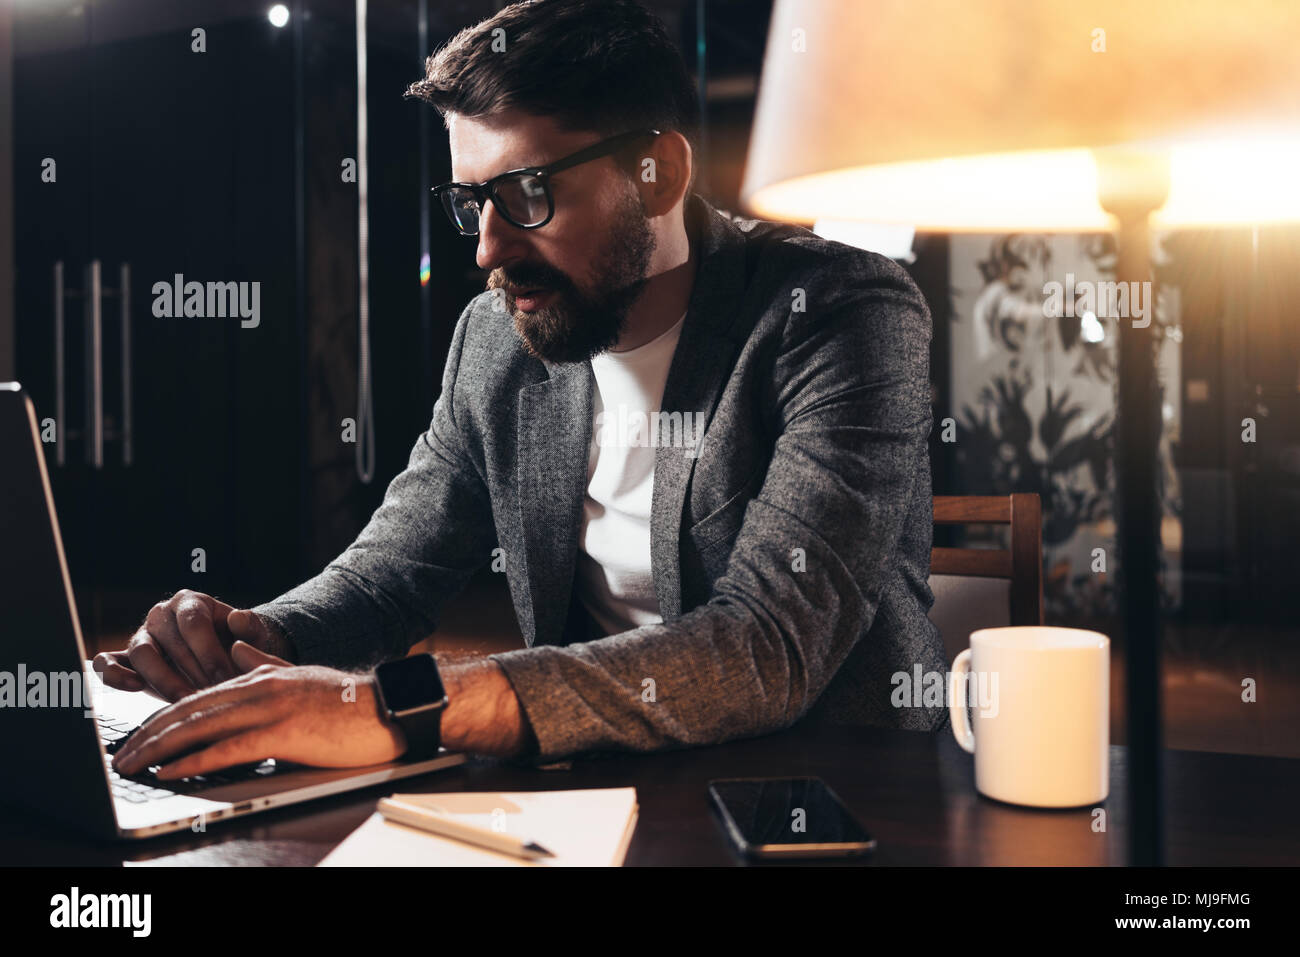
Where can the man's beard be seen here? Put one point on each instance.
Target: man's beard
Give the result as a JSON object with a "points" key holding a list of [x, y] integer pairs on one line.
{"points": [[575, 326]]}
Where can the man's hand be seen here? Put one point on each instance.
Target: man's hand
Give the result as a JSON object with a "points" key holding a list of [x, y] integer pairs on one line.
{"points": [[184, 645], [305, 714], [318, 716]]}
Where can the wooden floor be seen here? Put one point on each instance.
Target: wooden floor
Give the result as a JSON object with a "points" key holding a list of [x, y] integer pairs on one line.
{"points": [[1204, 667]]}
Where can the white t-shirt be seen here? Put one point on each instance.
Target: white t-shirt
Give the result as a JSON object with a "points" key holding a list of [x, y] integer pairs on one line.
{"points": [[613, 571]]}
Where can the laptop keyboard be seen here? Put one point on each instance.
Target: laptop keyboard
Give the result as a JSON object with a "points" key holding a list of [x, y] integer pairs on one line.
{"points": [[145, 786]]}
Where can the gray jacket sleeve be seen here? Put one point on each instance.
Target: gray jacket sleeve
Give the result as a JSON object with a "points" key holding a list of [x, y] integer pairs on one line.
{"points": [[420, 548], [851, 385]]}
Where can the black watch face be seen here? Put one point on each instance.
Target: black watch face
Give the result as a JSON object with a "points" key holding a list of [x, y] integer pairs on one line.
{"points": [[410, 683]]}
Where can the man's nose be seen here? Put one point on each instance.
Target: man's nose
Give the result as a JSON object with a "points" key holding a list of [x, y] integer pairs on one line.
{"points": [[496, 238]]}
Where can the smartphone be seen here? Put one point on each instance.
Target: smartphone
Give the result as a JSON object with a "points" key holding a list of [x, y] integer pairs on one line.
{"points": [[788, 818]]}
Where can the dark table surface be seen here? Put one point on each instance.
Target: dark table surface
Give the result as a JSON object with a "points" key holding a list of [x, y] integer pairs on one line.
{"points": [[914, 791]]}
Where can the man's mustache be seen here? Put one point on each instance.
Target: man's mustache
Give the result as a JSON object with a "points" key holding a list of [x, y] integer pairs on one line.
{"points": [[520, 282]]}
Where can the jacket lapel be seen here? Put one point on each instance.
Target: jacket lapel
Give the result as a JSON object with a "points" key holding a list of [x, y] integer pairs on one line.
{"points": [[701, 365], [554, 441]]}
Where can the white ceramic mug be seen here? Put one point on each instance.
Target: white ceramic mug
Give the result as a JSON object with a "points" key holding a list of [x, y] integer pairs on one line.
{"points": [[1040, 697]]}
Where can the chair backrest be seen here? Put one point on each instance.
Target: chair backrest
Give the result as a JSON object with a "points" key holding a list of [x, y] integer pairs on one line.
{"points": [[987, 587]]}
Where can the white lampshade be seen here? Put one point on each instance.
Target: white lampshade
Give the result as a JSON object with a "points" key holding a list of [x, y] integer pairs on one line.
{"points": [[951, 115]]}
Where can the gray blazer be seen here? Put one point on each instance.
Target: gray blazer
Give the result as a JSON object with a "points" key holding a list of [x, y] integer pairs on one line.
{"points": [[790, 546]]}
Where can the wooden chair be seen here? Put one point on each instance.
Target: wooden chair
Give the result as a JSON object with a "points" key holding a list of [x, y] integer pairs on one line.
{"points": [[987, 587]]}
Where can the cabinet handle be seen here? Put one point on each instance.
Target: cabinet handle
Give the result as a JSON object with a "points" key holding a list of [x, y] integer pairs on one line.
{"points": [[94, 367], [93, 294], [124, 293], [60, 419]]}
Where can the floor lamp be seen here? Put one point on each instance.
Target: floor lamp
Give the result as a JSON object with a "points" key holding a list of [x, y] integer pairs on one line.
{"points": [[1054, 116]]}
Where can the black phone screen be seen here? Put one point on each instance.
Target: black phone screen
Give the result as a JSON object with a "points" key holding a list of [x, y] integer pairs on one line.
{"points": [[787, 813]]}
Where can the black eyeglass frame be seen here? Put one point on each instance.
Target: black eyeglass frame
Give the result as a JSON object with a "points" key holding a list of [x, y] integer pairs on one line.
{"points": [[486, 189]]}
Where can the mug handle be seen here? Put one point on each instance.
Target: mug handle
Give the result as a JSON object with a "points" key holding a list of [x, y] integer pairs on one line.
{"points": [[957, 704]]}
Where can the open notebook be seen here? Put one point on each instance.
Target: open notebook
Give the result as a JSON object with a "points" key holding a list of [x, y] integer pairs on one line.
{"points": [[589, 828]]}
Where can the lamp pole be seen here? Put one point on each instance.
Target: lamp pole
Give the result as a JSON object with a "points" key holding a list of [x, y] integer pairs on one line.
{"points": [[1131, 187]]}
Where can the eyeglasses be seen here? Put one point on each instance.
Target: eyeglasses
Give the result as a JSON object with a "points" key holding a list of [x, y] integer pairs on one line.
{"points": [[522, 196]]}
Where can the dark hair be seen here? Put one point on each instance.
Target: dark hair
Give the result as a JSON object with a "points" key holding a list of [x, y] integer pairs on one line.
{"points": [[600, 65]]}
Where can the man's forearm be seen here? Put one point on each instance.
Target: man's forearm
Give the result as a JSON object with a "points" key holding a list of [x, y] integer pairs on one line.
{"points": [[483, 715]]}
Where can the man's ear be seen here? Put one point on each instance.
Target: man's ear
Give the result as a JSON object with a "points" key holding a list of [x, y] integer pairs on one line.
{"points": [[663, 172]]}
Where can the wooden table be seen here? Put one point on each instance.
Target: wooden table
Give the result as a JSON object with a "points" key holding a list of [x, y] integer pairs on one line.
{"points": [[914, 791]]}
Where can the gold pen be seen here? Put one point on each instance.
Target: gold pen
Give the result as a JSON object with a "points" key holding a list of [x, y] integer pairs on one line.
{"points": [[427, 820]]}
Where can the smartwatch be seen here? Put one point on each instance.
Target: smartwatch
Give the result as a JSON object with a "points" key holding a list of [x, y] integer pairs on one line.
{"points": [[412, 696]]}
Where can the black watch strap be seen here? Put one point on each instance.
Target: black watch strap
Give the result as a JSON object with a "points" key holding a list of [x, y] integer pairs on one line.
{"points": [[423, 731]]}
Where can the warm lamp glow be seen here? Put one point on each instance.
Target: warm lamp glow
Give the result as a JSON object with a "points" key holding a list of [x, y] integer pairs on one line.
{"points": [[984, 116], [1233, 181], [1010, 191]]}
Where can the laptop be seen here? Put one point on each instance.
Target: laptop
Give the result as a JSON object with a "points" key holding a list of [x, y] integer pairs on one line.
{"points": [[59, 724]]}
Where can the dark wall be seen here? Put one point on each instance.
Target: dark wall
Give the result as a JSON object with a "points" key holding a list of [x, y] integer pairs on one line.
{"points": [[6, 197]]}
